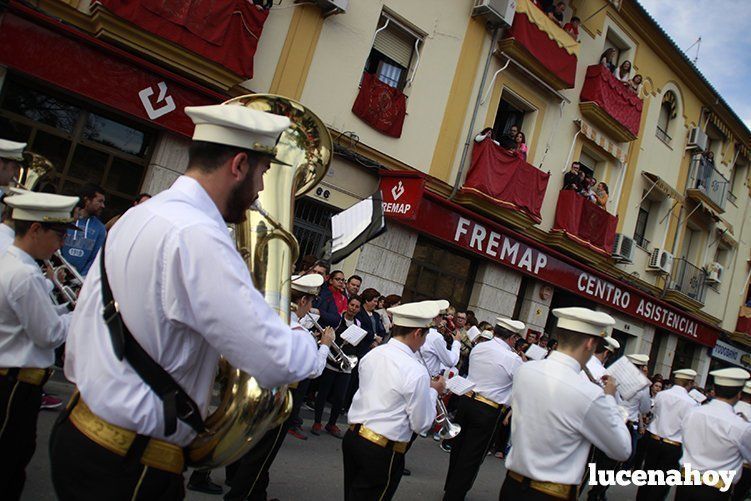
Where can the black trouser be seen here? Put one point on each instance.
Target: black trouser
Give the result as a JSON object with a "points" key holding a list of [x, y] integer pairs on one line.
{"points": [[740, 489], [642, 444], [468, 450], [248, 477], [602, 462], [371, 472], [502, 435], [83, 470], [19, 410], [660, 456], [352, 387], [513, 490], [700, 493], [298, 398], [332, 383]]}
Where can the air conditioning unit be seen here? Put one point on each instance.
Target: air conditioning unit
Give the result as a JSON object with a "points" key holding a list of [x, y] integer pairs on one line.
{"points": [[495, 12], [623, 248], [660, 260], [331, 7], [697, 138], [714, 273]]}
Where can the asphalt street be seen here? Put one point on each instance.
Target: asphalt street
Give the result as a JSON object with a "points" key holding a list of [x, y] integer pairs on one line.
{"points": [[308, 470]]}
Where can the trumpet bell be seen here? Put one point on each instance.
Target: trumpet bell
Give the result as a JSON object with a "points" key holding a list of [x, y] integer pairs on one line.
{"points": [[449, 430]]}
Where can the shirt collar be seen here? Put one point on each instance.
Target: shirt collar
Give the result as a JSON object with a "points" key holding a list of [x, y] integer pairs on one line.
{"points": [[198, 194], [721, 405], [566, 360], [4, 228], [401, 346], [22, 255], [503, 343]]}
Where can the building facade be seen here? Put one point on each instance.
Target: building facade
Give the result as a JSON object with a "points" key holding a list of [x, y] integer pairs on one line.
{"points": [[405, 86]]}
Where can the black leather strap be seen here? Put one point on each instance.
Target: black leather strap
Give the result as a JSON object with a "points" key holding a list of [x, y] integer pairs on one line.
{"points": [[177, 403]]}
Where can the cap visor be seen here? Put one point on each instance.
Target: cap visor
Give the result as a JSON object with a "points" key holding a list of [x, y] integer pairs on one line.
{"points": [[275, 160], [68, 226]]}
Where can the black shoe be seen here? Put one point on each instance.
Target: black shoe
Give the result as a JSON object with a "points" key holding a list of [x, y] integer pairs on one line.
{"points": [[205, 485], [406, 472]]}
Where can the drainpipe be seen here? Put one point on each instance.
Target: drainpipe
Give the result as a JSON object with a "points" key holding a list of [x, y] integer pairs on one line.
{"points": [[470, 133]]}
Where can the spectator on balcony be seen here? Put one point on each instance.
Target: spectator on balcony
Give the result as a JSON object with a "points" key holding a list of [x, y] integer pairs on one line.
{"points": [[521, 146], [571, 178], [555, 13], [635, 84], [607, 59], [587, 191], [623, 73], [572, 28], [601, 194], [487, 132]]}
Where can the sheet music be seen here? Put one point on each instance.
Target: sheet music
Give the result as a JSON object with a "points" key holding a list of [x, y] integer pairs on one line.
{"points": [[535, 352], [629, 379], [472, 333], [350, 223], [459, 385], [697, 395], [354, 334], [307, 321]]}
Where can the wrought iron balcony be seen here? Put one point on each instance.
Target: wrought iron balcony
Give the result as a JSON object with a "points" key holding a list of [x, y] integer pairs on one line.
{"points": [[706, 184], [688, 280]]}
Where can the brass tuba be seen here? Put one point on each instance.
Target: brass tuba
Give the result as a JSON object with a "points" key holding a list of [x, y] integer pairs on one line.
{"points": [[36, 170], [246, 411]]}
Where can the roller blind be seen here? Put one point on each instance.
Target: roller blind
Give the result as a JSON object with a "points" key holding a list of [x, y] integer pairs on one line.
{"points": [[395, 44]]}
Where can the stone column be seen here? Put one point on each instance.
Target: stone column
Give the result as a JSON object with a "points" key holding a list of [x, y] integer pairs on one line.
{"points": [[168, 162], [665, 355], [535, 309], [702, 361], [384, 262], [494, 292], [645, 342]]}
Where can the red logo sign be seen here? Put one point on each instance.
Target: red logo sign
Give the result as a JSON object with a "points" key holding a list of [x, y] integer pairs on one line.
{"points": [[402, 194]]}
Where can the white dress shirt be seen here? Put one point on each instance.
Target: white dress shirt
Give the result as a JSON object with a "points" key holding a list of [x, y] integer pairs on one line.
{"points": [[716, 438], [435, 353], [670, 408], [492, 369], [187, 297], [30, 325], [638, 404], [7, 235], [556, 418], [744, 409], [395, 398], [323, 350]]}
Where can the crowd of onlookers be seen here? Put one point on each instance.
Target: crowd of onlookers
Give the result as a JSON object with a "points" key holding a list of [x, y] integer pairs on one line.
{"points": [[514, 141], [586, 185], [622, 72], [554, 11]]}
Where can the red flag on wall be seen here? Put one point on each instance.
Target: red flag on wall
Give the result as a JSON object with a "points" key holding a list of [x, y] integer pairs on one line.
{"points": [[381, 106]]}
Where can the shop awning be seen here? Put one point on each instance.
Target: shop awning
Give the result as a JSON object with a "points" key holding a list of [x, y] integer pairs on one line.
{"points": [[659, 185], [597, 137]]}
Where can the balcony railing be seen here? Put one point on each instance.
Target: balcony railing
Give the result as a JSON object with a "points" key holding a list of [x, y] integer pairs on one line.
{"points": [[541, 46], [585, 222], [705, 183], [505, 180], [611, 105], [688, 279]]}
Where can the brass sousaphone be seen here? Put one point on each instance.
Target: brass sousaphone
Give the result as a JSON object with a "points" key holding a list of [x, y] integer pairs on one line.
{"points": [[246, 411]]}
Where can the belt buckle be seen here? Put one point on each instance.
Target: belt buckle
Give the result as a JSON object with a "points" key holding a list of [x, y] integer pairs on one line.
{"points": [[110, 311]]}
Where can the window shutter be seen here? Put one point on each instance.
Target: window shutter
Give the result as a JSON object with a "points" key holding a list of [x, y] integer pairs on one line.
{"points": [[395, 44]]}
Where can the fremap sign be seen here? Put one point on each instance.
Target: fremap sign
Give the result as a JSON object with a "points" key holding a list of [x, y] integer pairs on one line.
{"points": [[402, 193]]}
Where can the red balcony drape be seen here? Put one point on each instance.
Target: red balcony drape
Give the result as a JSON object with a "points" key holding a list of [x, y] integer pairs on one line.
{"points": [[585, 222], [381, 106], [744, 320], [543, 48], [225, 32], [506, 179], [601, 87]]}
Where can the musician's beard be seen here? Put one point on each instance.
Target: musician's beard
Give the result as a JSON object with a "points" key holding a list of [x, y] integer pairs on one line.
{"points": [[240, 199]]}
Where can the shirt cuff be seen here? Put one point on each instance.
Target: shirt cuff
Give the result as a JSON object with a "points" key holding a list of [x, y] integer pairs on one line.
{"points": [[324, 349], [433, 395]]}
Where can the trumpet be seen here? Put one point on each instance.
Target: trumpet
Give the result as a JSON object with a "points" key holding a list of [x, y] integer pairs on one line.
{"points": [[67, 288], [449, 430], [336, 356]]}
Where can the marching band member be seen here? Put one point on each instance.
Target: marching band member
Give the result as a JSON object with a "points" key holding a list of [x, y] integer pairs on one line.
{"points": [[664, 440], [395, 401], [249, 477], [743, 409], [557, 416], [178, 294], [30, 327], [434, 351], [716, 438], [638, 405], [603, 353], [491, 367]]}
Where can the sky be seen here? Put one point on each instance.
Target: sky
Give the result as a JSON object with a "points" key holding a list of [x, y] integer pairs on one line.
{"points": [[725, 54]]}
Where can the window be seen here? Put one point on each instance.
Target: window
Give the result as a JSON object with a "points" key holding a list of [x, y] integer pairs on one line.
{"points": [[395, 50], [83, 145], [737, 179], [685, 351], [587, 163], [511, 111], [642, 219], [667, 113], [439, 272], [312, 226]]}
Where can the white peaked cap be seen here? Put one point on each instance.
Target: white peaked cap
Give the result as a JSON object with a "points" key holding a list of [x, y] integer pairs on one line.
{"points": [[747, 387], [417, 315], [638, 359], [487, 334], [11, 150], [42, 208], [511, 325], [612, 344], [584, 320], [684, 374], [309, 284], [473, 333], [236, 125], [732, 377]]}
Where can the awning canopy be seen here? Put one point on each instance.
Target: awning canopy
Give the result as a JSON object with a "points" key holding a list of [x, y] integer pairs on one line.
{"points": [[660, 186], [601, 140], [725, 233]]}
